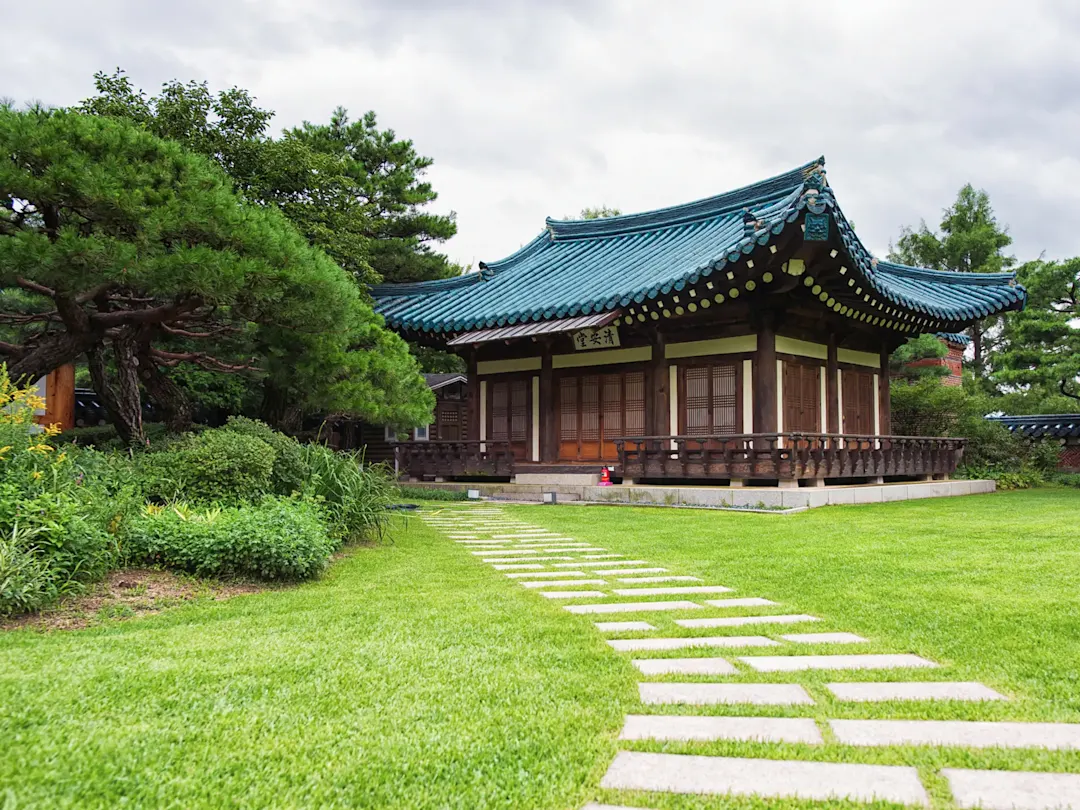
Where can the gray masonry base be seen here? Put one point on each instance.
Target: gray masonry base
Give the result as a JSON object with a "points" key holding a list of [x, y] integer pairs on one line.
{"points": [[739, 497]]}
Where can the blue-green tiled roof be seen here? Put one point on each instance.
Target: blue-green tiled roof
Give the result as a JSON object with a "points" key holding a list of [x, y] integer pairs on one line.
{"points": [[584, 266]]}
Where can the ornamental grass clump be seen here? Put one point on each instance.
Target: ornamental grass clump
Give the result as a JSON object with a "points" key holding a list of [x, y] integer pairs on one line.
{"points": [[277, 538], [354, 496]]}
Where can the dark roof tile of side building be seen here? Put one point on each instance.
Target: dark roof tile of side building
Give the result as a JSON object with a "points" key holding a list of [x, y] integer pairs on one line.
{"points": [[1040, 426]]}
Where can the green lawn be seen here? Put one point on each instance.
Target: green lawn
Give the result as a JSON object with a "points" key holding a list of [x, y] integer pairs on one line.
{"points": [[414, 676]]}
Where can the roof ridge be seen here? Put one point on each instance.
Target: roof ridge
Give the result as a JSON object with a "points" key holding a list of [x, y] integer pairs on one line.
{"points": [[685, 213]]}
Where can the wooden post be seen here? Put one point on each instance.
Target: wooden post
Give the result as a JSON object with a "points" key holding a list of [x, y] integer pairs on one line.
{"points": [[60, 397], [549, 447], [472, 398], [765, 393], [657, 416], [884, 408], [832, 395]]}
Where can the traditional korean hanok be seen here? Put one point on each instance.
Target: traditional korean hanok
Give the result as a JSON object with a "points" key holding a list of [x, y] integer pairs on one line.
{"points": [[742, 338]]}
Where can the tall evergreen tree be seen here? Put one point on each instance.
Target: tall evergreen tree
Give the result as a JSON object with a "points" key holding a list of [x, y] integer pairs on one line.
{"points": [[137, 253], [970, 240], [1039, 356]]}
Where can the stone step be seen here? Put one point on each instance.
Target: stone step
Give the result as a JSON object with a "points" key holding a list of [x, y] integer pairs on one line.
{"points": [[638, 644], [633, 607], [505, 552], [572, 594], [644, 580], [562, 583], [615, 571], [622, 627], [604, 564], [672, 591], [684, 666], [544, 559], [745, 601], [517, 566], [965, 733], [824, 638], [710, 694], [738, 621], [707, 729], [767, 778], [1013, 790], [913, 690], [796, 663], [549, 574]]}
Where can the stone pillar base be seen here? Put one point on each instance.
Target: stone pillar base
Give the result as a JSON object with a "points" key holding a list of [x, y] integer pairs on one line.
{"points": [[737, 482], [792, 484], [875, 479]]}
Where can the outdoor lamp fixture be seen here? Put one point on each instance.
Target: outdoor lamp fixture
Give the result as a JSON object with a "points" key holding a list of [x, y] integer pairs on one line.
{"points": [[474, 494], [548, 497]]}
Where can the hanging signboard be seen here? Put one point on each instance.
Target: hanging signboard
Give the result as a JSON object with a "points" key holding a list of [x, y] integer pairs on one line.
{"points": [[605, 337]]}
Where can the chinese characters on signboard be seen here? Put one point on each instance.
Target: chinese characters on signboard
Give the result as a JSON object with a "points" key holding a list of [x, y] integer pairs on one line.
{"points": [[606, 337]]}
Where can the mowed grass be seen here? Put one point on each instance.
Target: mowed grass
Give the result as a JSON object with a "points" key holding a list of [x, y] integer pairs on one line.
{"points": [[415, 676], [411, 676], [987, 586]]}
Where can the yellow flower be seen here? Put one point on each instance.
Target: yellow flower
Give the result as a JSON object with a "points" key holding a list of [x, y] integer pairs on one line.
{"points": [[61, 457], [36, 474], [4, 450]]}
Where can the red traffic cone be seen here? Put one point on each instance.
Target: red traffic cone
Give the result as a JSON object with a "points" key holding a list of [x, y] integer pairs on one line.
{"points": [[605, 477]]}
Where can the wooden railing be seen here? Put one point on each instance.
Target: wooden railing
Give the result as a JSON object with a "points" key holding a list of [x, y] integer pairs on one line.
{"points": [[448, 458], [787, 456]]}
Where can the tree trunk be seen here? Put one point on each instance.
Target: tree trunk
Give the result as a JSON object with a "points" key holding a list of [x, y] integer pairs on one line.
{"points": [[277, 410], [122, 400], [164, 393], [48, 356], [977, 344]]}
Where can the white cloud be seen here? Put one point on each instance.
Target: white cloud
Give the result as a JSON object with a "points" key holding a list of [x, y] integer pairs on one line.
{"points": [[542, 109]]}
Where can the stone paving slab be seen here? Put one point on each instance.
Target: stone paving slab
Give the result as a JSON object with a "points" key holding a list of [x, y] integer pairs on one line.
{"points": [[622, 627], [644, 580], [738, 621], [672, 590], [1014, 790], [562, 583], [796, 663], [676, 773], [595, 806], [505, 552], [549, 574], [711, 694], [966, 733], [632, 644], [824, 638], [684, 666], [516, 567], [615, 571], [745, 601], [913, 690], [633, 607], [605, 563], [545, 559], [573, 594], [704, 729]]}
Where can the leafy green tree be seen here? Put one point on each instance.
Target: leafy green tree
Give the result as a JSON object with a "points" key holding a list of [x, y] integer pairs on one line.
{"points": [[137, 253], [352, 189], [970, 240], [1039, 355], [599, 212]]}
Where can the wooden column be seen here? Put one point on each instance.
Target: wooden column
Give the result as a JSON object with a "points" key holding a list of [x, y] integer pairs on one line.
{"points": [[657, 415], [472, 397], [884, 409], [549, 447], [765, 392], [833, 417]]}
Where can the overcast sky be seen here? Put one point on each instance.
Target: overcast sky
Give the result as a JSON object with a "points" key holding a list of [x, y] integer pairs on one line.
{"points": [[543, 107]]}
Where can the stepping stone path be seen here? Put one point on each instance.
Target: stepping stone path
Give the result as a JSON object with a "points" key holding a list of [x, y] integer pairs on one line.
{"points": [[526, 554]]}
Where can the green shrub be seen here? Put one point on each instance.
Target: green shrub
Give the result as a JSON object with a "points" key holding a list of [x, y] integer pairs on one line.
{"points": [[27, 581], [290, 469], [354, 495], [422, 494], [220, 465], [277, 538]]}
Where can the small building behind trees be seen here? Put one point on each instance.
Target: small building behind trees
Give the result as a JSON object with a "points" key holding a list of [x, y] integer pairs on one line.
{"points": [[744, 338]]}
